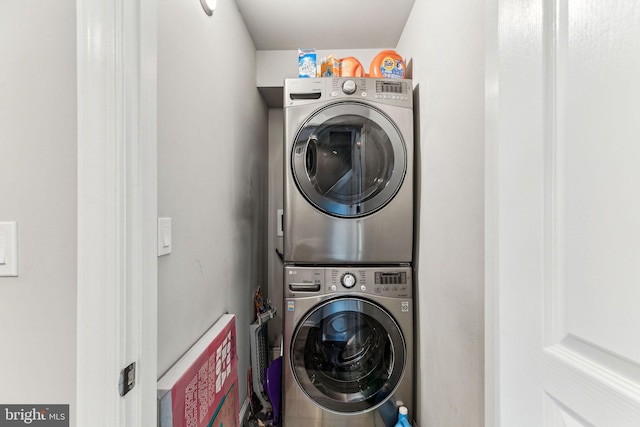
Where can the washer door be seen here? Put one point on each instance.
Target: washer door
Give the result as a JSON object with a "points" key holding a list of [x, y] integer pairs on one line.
{"points": [[349, 159], [348, 355]]}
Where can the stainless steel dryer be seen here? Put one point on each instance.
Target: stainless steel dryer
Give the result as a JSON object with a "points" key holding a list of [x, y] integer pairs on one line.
{"points": [[348, 192], [348, 346]]}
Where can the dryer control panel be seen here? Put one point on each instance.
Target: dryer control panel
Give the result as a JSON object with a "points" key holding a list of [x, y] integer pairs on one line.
{"points": [[397, 92], [393, 282]]}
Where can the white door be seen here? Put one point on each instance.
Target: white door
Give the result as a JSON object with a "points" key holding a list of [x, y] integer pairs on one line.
{"points": [[563, 213]]}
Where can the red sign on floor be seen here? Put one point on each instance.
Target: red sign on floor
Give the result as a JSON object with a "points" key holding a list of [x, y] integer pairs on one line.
{"points": [[201, 389]]}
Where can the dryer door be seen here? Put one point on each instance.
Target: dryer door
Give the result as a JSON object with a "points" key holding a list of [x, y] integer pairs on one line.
{"points": [[349, 159], [348, 355]]}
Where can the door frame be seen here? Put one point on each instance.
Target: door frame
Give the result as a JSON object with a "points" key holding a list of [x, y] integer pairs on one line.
{"points": [[491, 299], [117, 210], [521, 223]]}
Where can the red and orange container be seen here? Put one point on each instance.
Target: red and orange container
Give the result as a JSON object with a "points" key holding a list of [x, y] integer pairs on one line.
{"points": [[388, 65], [351, 67]]}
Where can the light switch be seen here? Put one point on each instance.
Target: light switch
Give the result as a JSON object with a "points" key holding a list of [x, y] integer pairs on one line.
{"points": [[280, 216], [9, 249], [3, 249], [164, 236]]}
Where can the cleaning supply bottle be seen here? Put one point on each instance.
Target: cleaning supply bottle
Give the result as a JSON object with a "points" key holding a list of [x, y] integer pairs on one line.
{"points": [[388, 65], [403, 417]]}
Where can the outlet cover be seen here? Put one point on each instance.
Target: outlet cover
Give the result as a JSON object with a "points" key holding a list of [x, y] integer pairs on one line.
{"points": [[9, 249]]}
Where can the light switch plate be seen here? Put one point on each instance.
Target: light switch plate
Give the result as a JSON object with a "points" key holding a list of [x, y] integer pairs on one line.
{"points": [[280, 216], [8, 249], [164, 236]]}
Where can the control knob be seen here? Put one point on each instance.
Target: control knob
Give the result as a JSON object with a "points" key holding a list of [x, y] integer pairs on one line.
{"points": [[348, 280], [349, 87]]}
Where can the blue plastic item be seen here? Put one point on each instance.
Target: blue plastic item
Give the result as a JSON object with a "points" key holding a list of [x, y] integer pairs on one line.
{"points": [[403, 420], [389, 412]]}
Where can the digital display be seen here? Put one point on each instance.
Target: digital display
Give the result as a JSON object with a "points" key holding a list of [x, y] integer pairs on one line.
{"points": [[391, 278], [391, 87]]}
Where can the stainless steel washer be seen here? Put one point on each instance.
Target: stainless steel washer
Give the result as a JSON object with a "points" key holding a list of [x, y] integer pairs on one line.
{"points": [[348, 194], [348, 346]]}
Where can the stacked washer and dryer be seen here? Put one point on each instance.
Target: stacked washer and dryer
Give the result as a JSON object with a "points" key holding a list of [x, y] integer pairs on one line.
{"points": [[348, 245]]}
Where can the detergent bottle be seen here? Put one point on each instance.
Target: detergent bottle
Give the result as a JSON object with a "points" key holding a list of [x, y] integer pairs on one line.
{"points": [[388, 65], [403, 420]]}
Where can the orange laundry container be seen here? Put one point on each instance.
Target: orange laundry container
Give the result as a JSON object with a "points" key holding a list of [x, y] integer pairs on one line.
{"points": [[387, 64], [351, 67]]}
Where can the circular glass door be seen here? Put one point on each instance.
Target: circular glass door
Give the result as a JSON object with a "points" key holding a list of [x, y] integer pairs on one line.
{"points": [[348, 355], [349, 159]]}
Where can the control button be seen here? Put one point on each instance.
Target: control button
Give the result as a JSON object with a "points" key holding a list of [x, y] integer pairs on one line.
{"points": [[364, 94], [348, 280], [334, 287], [363, 288], [334, 93], [349, 87]]}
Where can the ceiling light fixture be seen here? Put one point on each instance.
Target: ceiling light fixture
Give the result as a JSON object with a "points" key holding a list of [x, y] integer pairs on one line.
{"points": [[209, 6]]}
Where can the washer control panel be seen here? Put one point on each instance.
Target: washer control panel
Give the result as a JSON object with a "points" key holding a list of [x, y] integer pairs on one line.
{"points": [[383, 281]]}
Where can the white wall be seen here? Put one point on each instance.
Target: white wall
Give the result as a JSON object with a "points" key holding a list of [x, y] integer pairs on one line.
{"points": [[38, 148], [444, 41], [212, 146]]}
